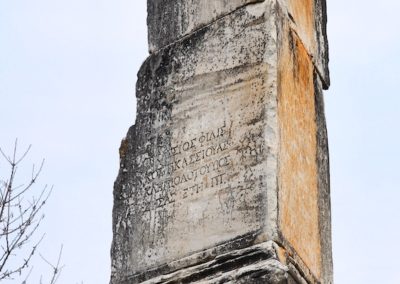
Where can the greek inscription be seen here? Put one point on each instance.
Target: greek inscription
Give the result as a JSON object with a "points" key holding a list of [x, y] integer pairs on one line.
{"points": [[177, 172], [217, 180]]}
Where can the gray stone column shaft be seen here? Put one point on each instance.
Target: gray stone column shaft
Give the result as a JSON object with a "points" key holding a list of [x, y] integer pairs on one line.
{"points": [[224, 178]]}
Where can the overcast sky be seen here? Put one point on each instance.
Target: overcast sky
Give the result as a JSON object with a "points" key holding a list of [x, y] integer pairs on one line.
{"points": [[67, 76]]}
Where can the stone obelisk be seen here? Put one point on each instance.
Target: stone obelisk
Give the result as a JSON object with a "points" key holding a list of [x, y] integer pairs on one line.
{"points": [[224, 178]]}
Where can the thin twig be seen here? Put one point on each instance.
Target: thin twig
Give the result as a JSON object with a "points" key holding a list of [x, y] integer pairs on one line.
{"points": [[56, 268], [20, 218]]}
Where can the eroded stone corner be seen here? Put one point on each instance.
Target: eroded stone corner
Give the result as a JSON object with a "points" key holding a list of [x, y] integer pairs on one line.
{"points": [[308, 19], [324, 200]]}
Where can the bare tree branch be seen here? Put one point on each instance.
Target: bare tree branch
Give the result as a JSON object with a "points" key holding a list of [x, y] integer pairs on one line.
{"points": [[20, 218], [56, 268]]}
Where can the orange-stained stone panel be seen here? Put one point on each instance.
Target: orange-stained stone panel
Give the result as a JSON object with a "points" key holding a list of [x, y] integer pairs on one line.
{"points": [[302, 13], [298, 184], [308, 20]]}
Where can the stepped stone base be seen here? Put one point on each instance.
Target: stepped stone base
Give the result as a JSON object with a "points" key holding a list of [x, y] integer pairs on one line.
{"points": [[255, 264]]}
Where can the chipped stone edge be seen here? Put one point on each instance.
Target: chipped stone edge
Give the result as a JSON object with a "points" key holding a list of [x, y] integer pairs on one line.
{"points": [[194, 259], [324, 202], [261, 259], [319, 57]]}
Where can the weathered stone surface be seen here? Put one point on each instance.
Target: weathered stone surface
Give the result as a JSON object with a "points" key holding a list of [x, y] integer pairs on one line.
{"points": [[258, 262], [224, 177], [323, 183], [170, 20], [298, 156], [255, 264], [195, 172], [308, 19]]}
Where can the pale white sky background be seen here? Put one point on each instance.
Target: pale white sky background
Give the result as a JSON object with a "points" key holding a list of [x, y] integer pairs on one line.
{"points": [[67, 76]]}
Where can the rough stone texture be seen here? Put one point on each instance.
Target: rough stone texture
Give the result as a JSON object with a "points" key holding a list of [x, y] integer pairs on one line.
{"points": [[170, 20], [323, 183], [307, 19], [225, 177], [258, 262], [298, 160]]}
